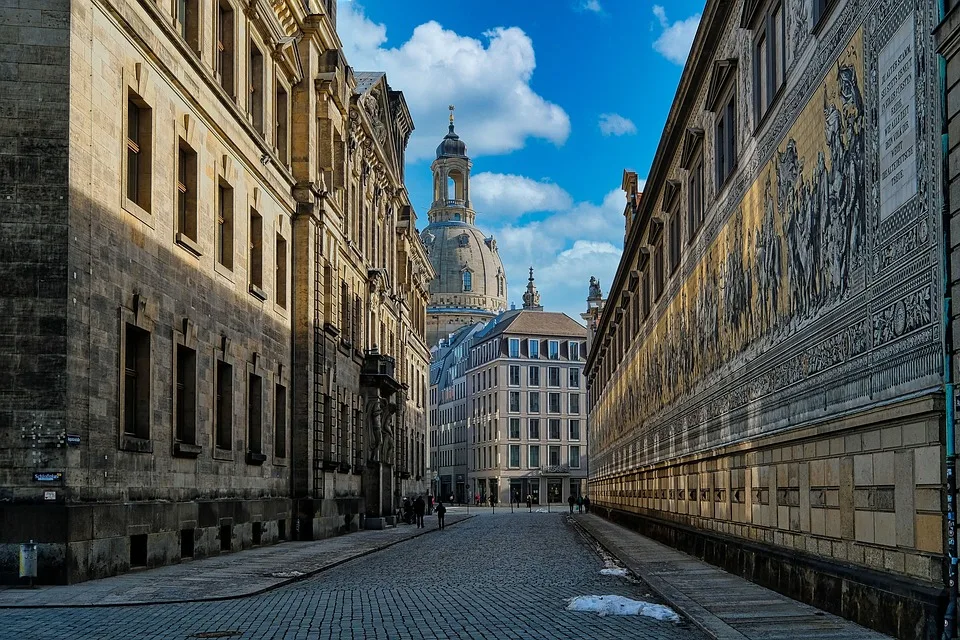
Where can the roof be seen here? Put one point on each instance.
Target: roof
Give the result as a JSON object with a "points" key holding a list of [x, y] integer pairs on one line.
{"points": [[366, 79], [535, 323]]}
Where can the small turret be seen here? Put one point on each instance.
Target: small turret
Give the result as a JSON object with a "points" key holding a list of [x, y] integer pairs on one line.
{"points": [[531, 299]]}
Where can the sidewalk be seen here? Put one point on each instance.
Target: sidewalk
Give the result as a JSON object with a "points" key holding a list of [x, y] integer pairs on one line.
{"points": [[724, 605], [232, 575]]}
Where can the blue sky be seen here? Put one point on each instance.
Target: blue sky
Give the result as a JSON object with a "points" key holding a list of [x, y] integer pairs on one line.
{"points": [[554, 99]]}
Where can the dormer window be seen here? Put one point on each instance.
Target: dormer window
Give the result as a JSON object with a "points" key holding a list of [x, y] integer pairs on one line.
{"points": [[463, 239]]}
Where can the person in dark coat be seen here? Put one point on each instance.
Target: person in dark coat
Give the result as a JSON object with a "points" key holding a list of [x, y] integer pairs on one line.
{"points": [[441, 511], [571, 501], [419, 506], [407, 511], [579, 504], [586, 503], [530, 503]]}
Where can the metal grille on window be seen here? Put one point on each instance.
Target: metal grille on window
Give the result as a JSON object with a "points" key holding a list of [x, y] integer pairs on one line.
{"points": [[318, 404]]}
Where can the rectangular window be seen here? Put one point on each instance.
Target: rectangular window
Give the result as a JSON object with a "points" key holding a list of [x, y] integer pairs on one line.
{"points": [[514, 428], [575, 404], [186, 192], [254, 414], [514, 402], [553, 402], [223, 406], [534, 402], [554, 455], [553, 376], [514, 375], [533, 428], [534, 456], [675, 240], [553, 429], [658, 268], [769, 58], [573, 380], [282, 129], [225, 225], [186, 396], [553, 347], [281, 275], [574, 350], [822, 7], [695, 196], [515, 456], [188, 22], [280, 421], [574, 430], [255, 107], [224, 54], [139, 135], [533, 346], [256, 252], [726, 139], [514, 347], [575, 457], [136, 390], [533, 377]]}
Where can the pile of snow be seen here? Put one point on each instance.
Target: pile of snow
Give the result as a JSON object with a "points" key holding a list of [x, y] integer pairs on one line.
{"points": [[620, 606], [541, 511], [614, 571], [287, 574]]}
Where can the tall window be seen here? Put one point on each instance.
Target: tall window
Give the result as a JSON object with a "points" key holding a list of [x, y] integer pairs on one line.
{"points": [[467, 281], [188, 22], [533, 376], [186, 396], [514, 347], [225, 224], [256, 251], [514, 428], [822, 7], [533, 428], [725, 138], [574, 404], [574, 350], [515, 456], [533, 400], [280, 421], [646, 293], [186, 192], [281, 271], [136, 389], [553, 429], [658, 267], [534, 456], [553, 376], [553, 348], [514, 375], [553, 452], [256, 87], [553, 402], [515, 401], [769, 58], [224, 54], [281, 132], [533, 347], [695, 196], [575, 457], [254, 413], [574, 430], [223, 406], [675, 239], [573, 379], [139, 131]]}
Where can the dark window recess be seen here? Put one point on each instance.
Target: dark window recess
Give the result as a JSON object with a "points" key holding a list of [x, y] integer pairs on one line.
{"points": [[136, 391], [224, 62], [726, 140], [256, 87], [280, 422], [186, 389], [257, 532], [187, 192], [282, 137], [225, 225], [139, 131], [186, 543], [226, 535], [223, 408], [255, 419], [281, 272], [138, 550], [281, 529], [256, 251]]}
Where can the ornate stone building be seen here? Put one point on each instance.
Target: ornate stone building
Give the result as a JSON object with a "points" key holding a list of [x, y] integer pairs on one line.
{"points": [[766, 385], [470, 284], [216, 336]]}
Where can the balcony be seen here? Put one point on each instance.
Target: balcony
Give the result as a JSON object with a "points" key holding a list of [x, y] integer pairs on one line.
{"points": [[555, 470]]}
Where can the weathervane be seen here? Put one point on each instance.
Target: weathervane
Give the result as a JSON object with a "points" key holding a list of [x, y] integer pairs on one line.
{"points": [[451, 113]]}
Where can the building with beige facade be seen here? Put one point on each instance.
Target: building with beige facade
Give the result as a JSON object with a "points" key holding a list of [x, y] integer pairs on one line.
{"points": [[766, 385], [217, 335]]}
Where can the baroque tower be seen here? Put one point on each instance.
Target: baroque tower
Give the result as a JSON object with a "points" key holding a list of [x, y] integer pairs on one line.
{"points": [[470, 285]]}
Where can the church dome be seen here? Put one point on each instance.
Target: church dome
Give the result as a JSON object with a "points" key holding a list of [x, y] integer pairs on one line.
{"points": [[452, 146], [469, 272]]}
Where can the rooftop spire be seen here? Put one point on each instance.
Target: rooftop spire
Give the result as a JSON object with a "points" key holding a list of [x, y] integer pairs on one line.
{"points": [[531, 299]]}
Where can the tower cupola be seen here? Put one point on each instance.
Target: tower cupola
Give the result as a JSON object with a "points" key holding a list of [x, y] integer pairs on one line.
{"points": [[531, 298]]}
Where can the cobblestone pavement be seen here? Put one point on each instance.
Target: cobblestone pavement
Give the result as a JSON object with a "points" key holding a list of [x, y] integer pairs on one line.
{"points": [[499, 577]]}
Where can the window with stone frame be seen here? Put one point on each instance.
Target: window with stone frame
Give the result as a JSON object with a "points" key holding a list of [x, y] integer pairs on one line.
{"points": [[514, 402], [675, 235], [574, 456], [533, 376], [514, 371], [281, 117], [533, 457], [467, 280], [136, 390], [553, 453], [553, 376], [769, 54], [185, 388], [553, 403], [533, 347], [574, 403], [820, 9], [139, 134], [255, 70], [280, 421], [573, 378], [187, 171], [695, 203], [514, 429], [188, 22], [223, 406], [224, 52], [574, 430], [553, 429], [254, 414], [225, 224], [658, 273], [533, 400], [646, 293], [255, 254], [514, 456], [725, 135], [533, 428], [280, 277]]}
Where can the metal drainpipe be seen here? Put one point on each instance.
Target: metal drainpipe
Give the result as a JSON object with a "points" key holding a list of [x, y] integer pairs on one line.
{"points": [[950, 617]]}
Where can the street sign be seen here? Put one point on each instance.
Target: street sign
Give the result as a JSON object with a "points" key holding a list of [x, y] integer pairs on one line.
{"points": [[48, 476]]}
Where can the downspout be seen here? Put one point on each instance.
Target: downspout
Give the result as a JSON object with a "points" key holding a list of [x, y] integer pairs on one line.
{"points": [[950, 617]]}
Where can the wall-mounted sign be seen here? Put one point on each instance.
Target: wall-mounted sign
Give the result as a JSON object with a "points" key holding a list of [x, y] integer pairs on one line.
{"points": [[49, 495], [48, 476], [73, 439]]}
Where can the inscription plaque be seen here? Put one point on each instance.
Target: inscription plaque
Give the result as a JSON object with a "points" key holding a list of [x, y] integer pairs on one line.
{"points": [[896, 66]]}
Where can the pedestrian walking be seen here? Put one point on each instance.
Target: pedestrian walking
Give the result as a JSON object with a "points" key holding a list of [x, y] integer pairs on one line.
{"points": [[571, 501], [491, 500], [429, 504], [441, 511], [579, 504], [407, 510], [419, 506], [529, 503], [476, 499], [586, 503]]}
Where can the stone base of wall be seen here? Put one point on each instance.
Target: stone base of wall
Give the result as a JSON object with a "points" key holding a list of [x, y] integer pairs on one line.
{"points": [[101, 540], [890, 604]]}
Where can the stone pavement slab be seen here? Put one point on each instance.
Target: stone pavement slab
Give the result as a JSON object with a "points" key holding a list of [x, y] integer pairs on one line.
{"points": [[223, 577], [726, 606]]}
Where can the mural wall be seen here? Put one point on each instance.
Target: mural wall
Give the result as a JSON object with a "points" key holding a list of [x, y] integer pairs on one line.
{"points": [[816, 292]]}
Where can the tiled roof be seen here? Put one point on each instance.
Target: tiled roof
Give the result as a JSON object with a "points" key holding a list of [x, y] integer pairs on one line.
{"points": [[537, 323]]}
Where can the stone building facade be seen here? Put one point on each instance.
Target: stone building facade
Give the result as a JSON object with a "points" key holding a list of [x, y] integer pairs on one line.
{"points": [[470, 284], [526, 427], [766, 383], [214, 275]]}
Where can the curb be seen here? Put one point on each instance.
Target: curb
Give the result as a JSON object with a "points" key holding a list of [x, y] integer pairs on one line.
{"points": [[235, 596], [691, 610]]}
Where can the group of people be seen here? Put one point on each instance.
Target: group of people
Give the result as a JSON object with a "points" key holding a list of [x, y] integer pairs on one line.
{"points": [[582, 503], [412, 512]]}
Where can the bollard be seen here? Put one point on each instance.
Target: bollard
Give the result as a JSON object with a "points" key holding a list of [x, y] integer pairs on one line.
{"points": [[28, 561]]}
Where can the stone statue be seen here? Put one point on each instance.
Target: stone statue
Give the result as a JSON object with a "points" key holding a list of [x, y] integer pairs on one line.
{"points": [[388, 438], [375, 411], [595, 288]]}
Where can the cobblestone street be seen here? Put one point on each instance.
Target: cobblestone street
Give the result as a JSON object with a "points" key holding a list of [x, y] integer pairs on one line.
{"points": [[496, 576]]}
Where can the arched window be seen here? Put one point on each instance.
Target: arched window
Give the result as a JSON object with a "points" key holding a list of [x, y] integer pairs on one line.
{"points": [[456, 217], [467, 281]]}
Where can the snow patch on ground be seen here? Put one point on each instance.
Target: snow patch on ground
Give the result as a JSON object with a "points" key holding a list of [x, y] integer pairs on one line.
{"points": [[287, 574], [620, 606], [614, 571]]}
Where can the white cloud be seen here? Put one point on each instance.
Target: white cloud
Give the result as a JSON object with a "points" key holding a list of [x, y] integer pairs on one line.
{"points": [[488, 81], [675, 41], [498, 194], [591, 5], [613, 124]]}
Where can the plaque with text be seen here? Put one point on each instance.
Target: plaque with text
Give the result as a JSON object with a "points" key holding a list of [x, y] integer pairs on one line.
{"points": [[897, 108]]}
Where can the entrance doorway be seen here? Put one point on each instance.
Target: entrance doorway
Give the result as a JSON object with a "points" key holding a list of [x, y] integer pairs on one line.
{"points": [[555, 491], [516, 491]]}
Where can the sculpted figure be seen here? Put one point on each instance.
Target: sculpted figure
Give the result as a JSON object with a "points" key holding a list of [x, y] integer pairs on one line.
{"points": [[375, 411]]}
